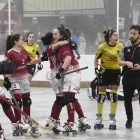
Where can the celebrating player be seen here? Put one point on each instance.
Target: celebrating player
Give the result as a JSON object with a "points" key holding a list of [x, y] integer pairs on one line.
{"points": [[18, 82]]}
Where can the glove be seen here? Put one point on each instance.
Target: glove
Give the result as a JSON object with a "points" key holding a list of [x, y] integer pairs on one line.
{"points": [[44, 56], [97, 72], [7, 83], [40, 66], [59, 73]]}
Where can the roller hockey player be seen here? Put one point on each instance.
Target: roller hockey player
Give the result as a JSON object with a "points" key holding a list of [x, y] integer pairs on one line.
{"points": [[83, 124]]}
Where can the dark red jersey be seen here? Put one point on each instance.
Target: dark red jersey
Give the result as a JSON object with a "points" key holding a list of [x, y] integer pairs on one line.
{"points": [[53, 58], [65, 51], [20, 58]]}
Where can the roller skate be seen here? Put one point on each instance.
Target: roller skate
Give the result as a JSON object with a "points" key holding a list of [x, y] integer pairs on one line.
{"points": [[83, 124], [34, 128], [98, 122], [89, 93], [2, 134], [48, 122], [57, 128], [69, 127], [19, 128], [112, 125]]}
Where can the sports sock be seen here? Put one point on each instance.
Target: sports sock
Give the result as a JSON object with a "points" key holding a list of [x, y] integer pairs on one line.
{"points": [[9, 113], [100, 105], [78, 109], [53, 107], [113, 106], [57, 110], [17, 114], [26, 109], [71, 111]]}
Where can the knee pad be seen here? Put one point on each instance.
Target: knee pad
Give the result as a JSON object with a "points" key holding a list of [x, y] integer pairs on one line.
{"points": [[5, 105], [113, 97], [101, 98], [27, 102], [18, 101]]}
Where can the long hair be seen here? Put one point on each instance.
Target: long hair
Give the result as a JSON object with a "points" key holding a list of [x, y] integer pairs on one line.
{"points": [[67, 34], [10, 42], [47, 39]]}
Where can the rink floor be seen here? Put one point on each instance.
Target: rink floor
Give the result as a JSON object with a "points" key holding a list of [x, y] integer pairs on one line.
{"points": [[43, 99]]}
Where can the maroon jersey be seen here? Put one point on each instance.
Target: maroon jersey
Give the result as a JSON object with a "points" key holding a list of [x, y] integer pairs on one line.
{"points": [[20, 58], [53, 58], [65, 51]]}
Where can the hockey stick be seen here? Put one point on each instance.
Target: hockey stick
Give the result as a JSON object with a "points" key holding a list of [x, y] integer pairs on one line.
{"points": [[28, 117], [49, 78], [33, 76]]}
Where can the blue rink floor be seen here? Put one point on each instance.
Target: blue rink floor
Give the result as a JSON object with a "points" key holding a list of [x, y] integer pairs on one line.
{"points": [[43, 99]]}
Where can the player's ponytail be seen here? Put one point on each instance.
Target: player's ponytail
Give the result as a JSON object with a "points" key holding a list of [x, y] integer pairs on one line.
{"points": [[10, 41]]}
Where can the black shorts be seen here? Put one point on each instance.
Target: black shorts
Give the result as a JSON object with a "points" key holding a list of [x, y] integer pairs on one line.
{"points": [[31, 69], [110, 77]]}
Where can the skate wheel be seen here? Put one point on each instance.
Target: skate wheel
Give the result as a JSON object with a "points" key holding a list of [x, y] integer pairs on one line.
{"points": [[65, 133], [102, 125], [112, 127], [80, 130], [33, 130], [56, 132], [95, 126], [74, 133], [89, 127]]}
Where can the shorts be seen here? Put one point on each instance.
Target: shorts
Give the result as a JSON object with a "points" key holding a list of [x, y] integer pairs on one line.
{"points": [[72, 82], [57, 85], [1, 91], [31, 69], [23, 86], [110, 77]]}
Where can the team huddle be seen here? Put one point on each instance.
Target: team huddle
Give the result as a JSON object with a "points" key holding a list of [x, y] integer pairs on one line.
{"points": [[60, 52]]}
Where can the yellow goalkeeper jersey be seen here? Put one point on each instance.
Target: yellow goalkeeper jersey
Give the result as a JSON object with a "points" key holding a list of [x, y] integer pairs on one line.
{"points": [[109, 55], [31, 50]]}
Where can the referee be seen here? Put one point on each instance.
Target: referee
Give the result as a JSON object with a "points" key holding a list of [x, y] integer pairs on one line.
{"points": [[129, 57]]}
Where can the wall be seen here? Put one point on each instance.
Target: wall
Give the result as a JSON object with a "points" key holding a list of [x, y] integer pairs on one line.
{"points": [[87, 74]]}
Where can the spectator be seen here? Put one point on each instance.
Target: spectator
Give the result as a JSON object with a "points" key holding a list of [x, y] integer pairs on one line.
{"points": [[123, 38], [98, 41], [82, 47], [74, 38]]}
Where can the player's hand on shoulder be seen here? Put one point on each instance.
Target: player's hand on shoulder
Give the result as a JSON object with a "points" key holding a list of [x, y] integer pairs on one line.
{"points": [[7, 83], [59, 73], [39, 66]]}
